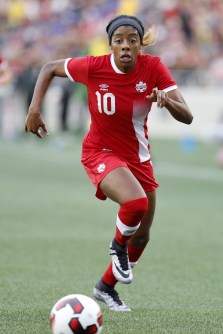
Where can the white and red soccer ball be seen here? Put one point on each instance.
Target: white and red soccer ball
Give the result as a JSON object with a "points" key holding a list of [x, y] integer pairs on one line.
{"points": [[76, 314]]}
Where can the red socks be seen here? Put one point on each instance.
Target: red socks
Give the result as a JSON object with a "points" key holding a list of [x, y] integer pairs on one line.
{"points": [[127, 223], [134, 254], [108, 276], [129, 218]]}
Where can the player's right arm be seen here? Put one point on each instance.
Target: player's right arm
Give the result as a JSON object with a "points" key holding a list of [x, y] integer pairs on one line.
{"points": [[34, 122]]}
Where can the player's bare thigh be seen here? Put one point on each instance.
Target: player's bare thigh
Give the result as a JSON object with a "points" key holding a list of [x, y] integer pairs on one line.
{"points": [[121, 186]]}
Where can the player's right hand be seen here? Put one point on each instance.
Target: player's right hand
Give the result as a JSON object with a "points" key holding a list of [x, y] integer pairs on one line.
{"points": [[35, 124]]}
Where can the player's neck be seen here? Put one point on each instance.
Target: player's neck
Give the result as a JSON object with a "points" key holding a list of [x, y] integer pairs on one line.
{"points": [[122, 69]]}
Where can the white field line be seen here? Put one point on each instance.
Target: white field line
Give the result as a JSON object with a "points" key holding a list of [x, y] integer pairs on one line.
{"points": [[207, 174]]}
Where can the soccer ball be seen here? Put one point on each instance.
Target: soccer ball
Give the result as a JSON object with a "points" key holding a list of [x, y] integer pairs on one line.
{"points": [[76, 314]]}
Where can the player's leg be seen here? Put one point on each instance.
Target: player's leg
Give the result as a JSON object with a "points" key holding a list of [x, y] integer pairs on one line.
{"points": [[137, 242], [122, 187], [141, 237]]}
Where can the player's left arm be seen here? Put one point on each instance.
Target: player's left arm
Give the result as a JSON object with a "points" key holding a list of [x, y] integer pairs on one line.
{"points": [[174, 102]]}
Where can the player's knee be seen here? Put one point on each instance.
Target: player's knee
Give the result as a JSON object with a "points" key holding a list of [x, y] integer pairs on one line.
{"points": [[130, 215], [142, 206], [133, 211], [137, 208]]}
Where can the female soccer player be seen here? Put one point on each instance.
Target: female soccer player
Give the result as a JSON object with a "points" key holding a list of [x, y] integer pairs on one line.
{"points": [[121, 89]]}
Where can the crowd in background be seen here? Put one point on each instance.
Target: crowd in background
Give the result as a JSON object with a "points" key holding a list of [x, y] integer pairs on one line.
{"points": [[190, 33], [32, 32]]}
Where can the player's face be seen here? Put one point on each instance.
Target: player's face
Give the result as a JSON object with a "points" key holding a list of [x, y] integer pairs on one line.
{"points": [[125, 45]]}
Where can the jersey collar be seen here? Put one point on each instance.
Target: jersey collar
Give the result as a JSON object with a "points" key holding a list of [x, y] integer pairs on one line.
{"points": [[115, 68]]}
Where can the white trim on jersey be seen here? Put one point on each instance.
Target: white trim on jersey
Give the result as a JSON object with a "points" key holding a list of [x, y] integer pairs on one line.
{"points": [[124, 229], [143, 152], [66, 69], [138, 124], [115, 68], [168, 89]]}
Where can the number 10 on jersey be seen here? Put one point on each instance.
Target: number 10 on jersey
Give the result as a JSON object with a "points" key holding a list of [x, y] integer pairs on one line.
{"points": [[106, 103]]}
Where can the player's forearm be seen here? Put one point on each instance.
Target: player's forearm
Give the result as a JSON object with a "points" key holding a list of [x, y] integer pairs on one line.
{"points": [[179, 110]]}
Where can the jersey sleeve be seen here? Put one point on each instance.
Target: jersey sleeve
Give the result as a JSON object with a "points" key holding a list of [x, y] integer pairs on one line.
{"points": [[165, 80], [77, 69]]}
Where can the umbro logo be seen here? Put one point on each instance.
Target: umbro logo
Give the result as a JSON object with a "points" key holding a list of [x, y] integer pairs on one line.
{"points": [[107, 149], [141, 87], [103, 87]]}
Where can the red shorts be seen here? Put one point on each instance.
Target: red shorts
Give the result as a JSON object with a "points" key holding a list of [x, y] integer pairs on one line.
{"points": [[101, 163]]}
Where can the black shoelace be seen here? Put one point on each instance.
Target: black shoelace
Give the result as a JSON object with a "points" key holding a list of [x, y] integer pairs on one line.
{"points": [[114, 294], [123, 259]]}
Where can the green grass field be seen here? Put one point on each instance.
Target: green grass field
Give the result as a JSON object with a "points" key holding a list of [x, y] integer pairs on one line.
{"points": [[55, 235]]}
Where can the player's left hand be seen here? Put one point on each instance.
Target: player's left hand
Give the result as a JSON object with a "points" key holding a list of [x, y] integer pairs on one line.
{"points": [[158, 96]]}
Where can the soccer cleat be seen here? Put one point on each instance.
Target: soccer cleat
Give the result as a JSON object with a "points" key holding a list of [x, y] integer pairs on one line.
{"points": [[120, 263], [111, 299]]}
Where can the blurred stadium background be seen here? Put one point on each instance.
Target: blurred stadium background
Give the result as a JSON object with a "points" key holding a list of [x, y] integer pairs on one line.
{"points": [[190, 39], [43, 227]]}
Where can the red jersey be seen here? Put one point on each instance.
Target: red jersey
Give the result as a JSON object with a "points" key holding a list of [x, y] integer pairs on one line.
{"points": [[117, 102]]}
